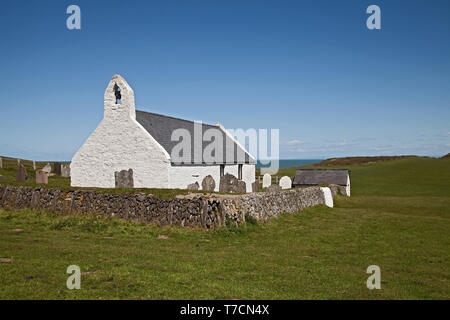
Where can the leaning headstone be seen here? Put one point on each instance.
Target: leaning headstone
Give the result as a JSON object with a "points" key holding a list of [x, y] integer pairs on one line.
{"points": [[41, 177], [47, 168], [65, 171], [193, 186], [57, 168], [255, 186], [124, 178], [267, 180], [231, 184], [285, 182], [1, 163], [21, 174], [208, 183]]}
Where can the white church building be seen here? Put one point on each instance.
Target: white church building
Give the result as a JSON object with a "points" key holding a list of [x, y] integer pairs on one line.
{"points": [[142, 141]]}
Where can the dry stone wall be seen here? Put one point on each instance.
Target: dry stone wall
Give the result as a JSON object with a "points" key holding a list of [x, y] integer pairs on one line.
{"points": [[192, 210]]}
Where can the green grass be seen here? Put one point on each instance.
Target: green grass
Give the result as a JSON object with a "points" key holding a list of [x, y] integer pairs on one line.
{"points": [[397, 218]]}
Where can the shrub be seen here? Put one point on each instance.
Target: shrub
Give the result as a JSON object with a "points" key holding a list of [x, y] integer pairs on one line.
{"points": [[250, 220]]}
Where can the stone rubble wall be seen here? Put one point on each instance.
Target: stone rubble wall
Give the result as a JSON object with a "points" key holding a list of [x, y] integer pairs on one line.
{"points": [[192, 210]]}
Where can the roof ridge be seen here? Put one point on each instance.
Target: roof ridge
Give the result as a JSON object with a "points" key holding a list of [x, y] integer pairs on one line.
{"points": [[170, 117]]}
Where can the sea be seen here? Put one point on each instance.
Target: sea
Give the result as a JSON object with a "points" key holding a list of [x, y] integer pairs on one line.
{"points": [[290, 163]]}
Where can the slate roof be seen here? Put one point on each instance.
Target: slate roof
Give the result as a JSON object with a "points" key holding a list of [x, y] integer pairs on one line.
{"points": [[161, 127], [319, 176]]}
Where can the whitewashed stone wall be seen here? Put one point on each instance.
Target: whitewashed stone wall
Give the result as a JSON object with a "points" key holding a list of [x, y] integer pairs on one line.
{"points": [[120, 143], [181, 176], [327, 196], [347, 188]]}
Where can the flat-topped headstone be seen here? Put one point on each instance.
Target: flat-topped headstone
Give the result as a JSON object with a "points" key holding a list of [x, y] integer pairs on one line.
{"points": [[57, 168], [65, 171], [41, 177], [193, 186], [208, 183], [1, 163], [21, 174], [47, 168], [285, 182], [267, 180], [255, 186], [124, 178], [34, 165]]}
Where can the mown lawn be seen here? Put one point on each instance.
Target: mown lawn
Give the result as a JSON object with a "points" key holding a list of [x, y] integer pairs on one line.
{"points": [[397, 218]]}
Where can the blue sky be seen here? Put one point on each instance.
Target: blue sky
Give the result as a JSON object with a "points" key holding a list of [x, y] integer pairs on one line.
{"points": [[309, 68]]}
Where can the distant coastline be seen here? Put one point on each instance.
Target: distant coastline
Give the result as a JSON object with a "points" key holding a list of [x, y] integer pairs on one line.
{"points": [[291, 163]]}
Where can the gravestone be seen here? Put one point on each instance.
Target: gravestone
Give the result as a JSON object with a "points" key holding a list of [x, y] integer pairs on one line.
{"points": [[193, 186], [57, 168], [34, 165], [1, 163], [208, 183], [241, 187], [47, 168], [21, 174], [41, 177], [124, 178], [273, 187], [18, 162], [231, 184], [285, 182], [267, 180], [255, 186], [65, 171]]}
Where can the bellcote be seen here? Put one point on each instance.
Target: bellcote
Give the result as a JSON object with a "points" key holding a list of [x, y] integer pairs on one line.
{"points": [[119, 99]]}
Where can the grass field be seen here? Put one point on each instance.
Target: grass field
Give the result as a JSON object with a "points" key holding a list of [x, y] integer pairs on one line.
{"points": [[397, 218]]}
